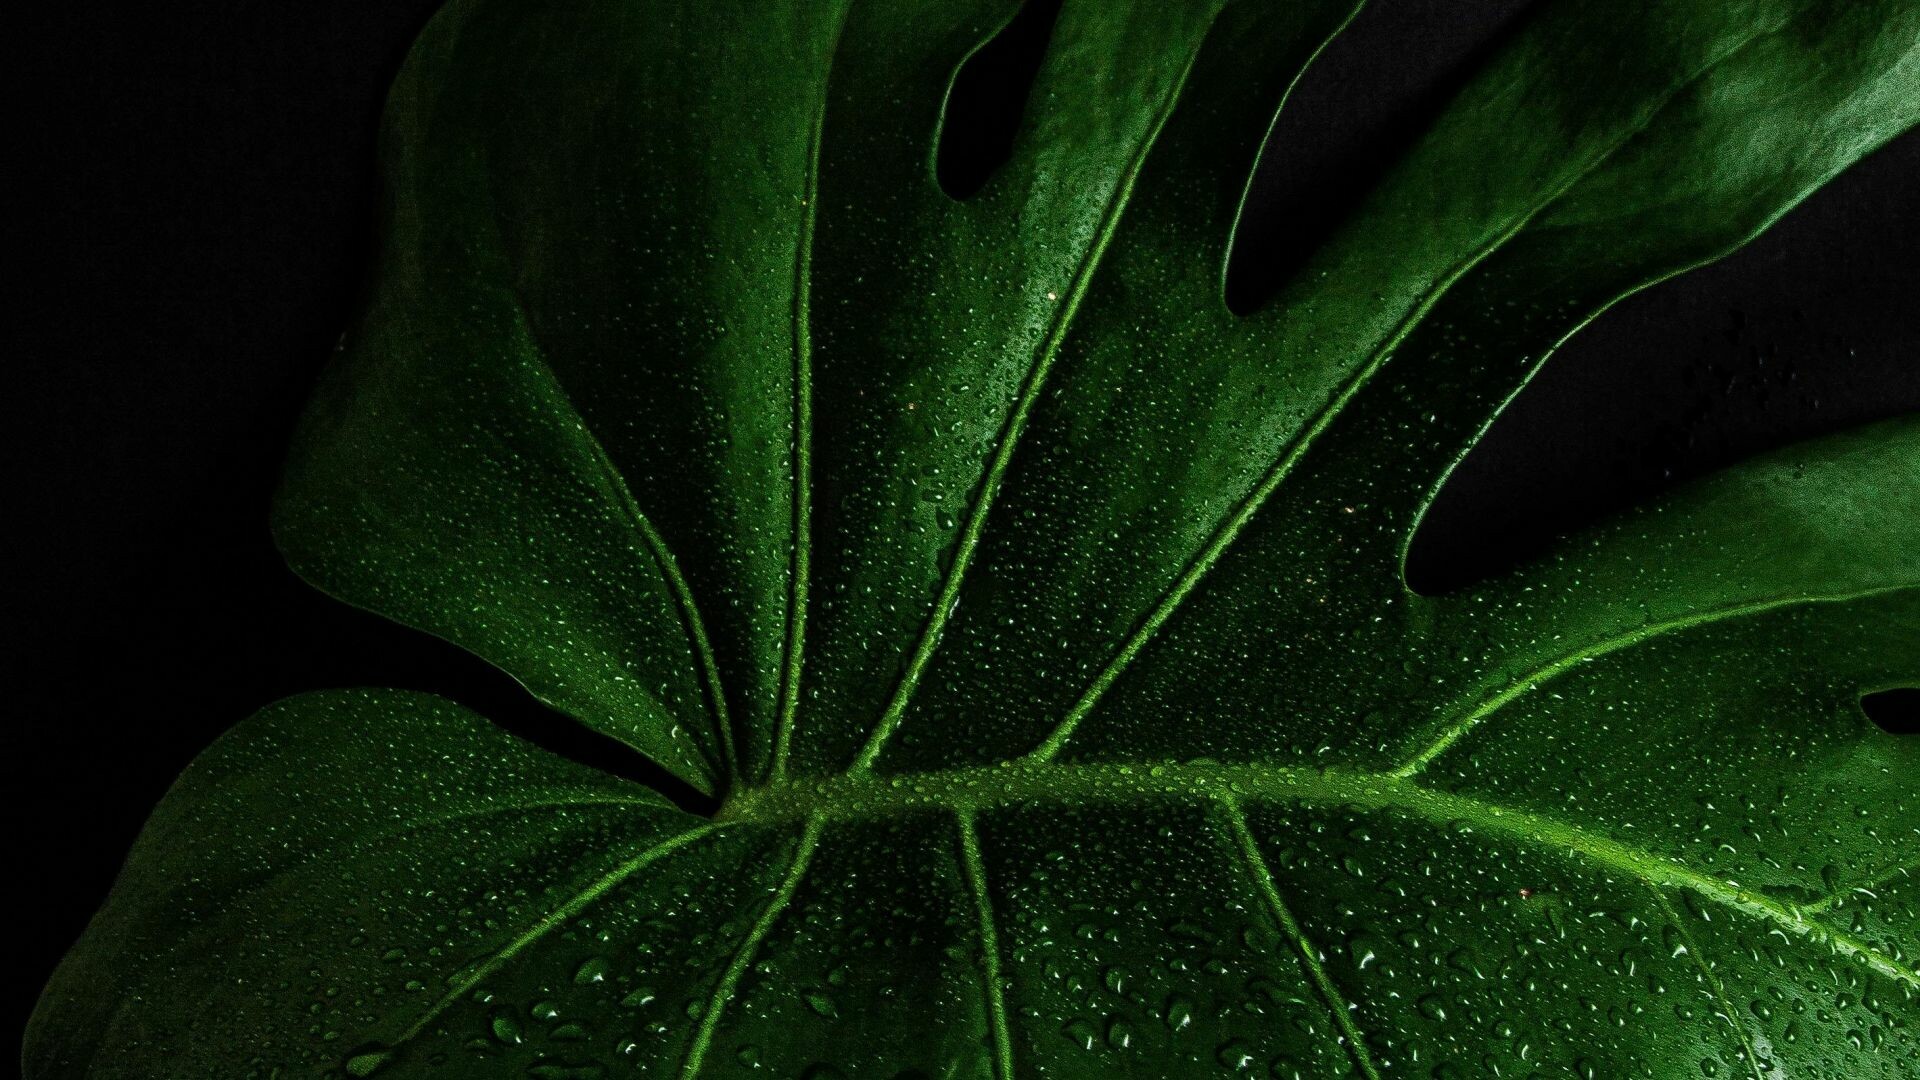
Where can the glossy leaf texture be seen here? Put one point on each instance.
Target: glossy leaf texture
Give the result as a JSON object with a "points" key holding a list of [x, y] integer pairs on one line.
{"points": [[1040, 623]]}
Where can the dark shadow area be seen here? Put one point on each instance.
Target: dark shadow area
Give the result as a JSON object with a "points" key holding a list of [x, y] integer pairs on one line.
{"points": [[197, 220], [1807, 330], [1896, 711], [343, 646], [989, 94], [194, 218], [1367, 96]]}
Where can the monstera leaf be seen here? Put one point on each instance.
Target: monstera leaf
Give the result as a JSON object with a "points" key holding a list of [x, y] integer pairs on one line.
{"points": [[1038, 623]]}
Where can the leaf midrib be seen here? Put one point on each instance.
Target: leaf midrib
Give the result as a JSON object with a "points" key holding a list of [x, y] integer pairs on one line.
{"points": [[972, 790]]}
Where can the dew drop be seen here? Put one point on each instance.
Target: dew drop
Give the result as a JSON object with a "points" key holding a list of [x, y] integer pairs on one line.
{"points": [[368, 1060], [1178, 1012], [1235, 1055], [506, 1027], [550, 1069]]}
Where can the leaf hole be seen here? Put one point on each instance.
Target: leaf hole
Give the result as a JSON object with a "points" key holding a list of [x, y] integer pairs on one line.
{"points": [[1368, 94], [1800, 333], [1895, 711], [558, 733], [344, 646], [987, 98]]}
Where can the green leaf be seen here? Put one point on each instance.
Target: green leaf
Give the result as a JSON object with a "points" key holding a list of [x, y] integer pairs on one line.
{"points": [[1039, 623]]}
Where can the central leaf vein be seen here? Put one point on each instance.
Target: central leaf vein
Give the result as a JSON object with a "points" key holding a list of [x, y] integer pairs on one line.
{"points": [[865, 796]]}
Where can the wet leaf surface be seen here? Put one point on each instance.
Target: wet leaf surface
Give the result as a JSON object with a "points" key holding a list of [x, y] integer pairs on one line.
{"points": [[1040, 622]]}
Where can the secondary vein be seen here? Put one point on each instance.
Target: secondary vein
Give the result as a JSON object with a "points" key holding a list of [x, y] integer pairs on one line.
{"points": [[723, 991], [1016, 423], [578, 902], [1865, 888], [1713, 983], [1308, 953], [800, 558], [1474, 715], [976, 874], [1230, 529], [677, 587]]}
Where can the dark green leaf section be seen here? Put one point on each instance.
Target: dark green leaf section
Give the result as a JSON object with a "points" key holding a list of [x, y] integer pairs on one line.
{"points": [[1335, 532], [948, 319], [362, 865], [1830, 524], [1314, 543], [1841, 522], [435, 898], [551, 317], [1041, 623]]}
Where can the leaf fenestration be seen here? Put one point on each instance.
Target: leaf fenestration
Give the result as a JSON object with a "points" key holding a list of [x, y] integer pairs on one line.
{"points": [[1040, 622]]}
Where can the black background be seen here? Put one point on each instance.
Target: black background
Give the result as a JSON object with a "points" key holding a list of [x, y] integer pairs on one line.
{"points": [[200, 205]]}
